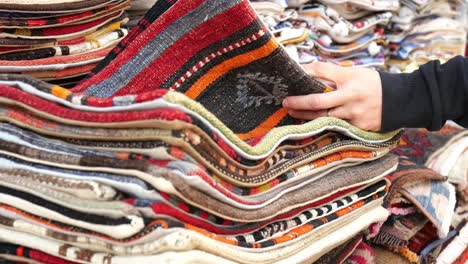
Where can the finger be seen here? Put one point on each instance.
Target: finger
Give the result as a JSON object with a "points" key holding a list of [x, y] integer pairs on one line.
{"points": [[307, 115], [316, 102], [339, 112], [366, 125], [327, 71]]}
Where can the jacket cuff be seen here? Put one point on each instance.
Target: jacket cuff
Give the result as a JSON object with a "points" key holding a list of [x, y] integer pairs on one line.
{"points": [[405, 101]]}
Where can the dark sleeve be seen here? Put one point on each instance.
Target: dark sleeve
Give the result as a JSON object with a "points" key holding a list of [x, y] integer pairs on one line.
{"points": [[427, 97]]}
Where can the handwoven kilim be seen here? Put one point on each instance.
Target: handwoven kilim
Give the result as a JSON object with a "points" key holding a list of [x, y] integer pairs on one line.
{"points": [[51, 6], [65, 32], [100, 42], [31, 254], [193, 237], [307, 164], [64, 19], [85, 189], [315, 221], [240, 53], [200, 218], [268, 142]]}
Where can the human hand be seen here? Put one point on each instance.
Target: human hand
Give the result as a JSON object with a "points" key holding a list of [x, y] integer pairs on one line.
{"points": [[357, 98]]}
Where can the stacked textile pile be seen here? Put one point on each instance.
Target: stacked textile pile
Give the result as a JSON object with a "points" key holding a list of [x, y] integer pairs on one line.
{"points": [[347, 33], [57, 40], [426, 30], [358, 33], [177, 149], [421, 200], [422, 226]]}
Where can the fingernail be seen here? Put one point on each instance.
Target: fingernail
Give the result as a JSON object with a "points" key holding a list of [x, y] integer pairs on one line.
{"points": [[285, 103]]}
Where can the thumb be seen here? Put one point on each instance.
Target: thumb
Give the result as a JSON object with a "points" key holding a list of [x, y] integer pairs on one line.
{"points": [[327, 71]]}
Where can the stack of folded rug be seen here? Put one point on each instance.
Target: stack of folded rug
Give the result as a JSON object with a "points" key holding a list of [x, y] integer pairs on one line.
{"points": [[347, 33], [426, 30], [58, 40], [422, 226], [388, 35], [176, 148], [422, 202]]}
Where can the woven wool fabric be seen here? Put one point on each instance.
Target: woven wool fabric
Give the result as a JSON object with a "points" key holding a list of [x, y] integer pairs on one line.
{"points": [[70, 253], [324, 17], [398, 230], [313, 162], [115, 161], [19, 220], [68, 82], [349, 48], [419, 144], [65, 32], [120, 159], [60, 74], [180, 173], [323, 187], [100, 42], [233, 56], [43, 27], [340, 254], [197, 217], [430, 252], [463, 258], [123, 182], [266, 144], [436, 200], [43, 63], [186, 170], [32, 254], [408, 172], [447, 158], [304, 230], [422, 238], [118, 227], [190, 191], [175, 240], [181, 184], [159, 8], [74, 234], [328, 242], [10, 259], [364, 254], [84, 189], [165, 114], [62, 19], [271, 229], [260, 198], [458, 174], [51, 6], [111, 209]]}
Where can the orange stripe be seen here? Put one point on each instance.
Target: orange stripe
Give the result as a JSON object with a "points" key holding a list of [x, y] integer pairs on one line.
{"points": [[266, 126], [241, 60], [60, 92]]}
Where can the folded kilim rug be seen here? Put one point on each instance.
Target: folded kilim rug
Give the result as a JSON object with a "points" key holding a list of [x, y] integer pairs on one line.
{"points": [[35, 36]]}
